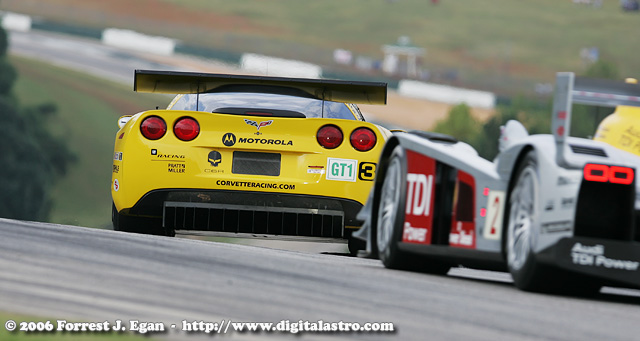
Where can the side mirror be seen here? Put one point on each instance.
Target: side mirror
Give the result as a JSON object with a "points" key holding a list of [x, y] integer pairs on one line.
{"points": [[122, 121]]}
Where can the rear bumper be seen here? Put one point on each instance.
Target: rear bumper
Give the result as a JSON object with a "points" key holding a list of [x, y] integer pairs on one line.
{"points": [[615, 262], [250, 212]]}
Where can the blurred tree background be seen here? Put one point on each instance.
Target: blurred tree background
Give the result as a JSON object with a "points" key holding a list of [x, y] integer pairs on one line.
{"points": [[31, 158], [533, 113]]}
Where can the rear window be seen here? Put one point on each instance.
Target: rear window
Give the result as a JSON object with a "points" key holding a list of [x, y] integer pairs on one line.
{"points": [[310, 107]]}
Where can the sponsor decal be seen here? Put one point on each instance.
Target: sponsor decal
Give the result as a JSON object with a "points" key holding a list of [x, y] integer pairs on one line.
{"points": [[367, 171], [625, 140], [460, 236], [265, 141], [565, 180], [116, 169], [549, 206], [414, 234], [567, 203], [586, 255], [214, 158], [419, 201], [117, 156], [495, 212], [633, 132], [258, 125], [419, 188], [228, 139], [315, 170], [341, 169], [251, 184], [204, 197], [116, 185], [176, 167], [557, 226], [169, 157]]}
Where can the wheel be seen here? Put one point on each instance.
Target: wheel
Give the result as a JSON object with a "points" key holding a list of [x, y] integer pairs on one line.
{"points": [[140, 225], [524, 212], [522, 231], [390, 202], [390, 221]]}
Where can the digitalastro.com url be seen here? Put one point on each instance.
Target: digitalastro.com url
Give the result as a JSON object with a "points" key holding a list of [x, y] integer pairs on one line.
{"points": [[300, 326]]}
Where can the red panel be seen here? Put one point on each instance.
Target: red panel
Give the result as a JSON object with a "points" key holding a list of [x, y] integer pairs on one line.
{"points": [[463, 227], [418, 220]]}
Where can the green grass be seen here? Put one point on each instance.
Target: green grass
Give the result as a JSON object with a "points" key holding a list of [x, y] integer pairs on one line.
{"points": [[525, 37], [88, 110], [494, 44], [56, 335]]}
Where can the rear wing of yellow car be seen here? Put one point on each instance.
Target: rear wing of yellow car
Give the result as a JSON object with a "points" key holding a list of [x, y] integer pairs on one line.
{"points": [[174, 82], [570, 89]]}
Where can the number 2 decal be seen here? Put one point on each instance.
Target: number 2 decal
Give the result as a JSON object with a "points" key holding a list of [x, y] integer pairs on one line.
{"points": [[493, 222]]}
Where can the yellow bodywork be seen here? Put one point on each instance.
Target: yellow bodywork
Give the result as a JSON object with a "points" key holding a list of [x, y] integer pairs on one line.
{"points": [[621, 129], [141, 165]]}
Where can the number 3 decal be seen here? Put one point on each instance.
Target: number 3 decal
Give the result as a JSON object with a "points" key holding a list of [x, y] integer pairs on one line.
{"points": [[367, 171]]}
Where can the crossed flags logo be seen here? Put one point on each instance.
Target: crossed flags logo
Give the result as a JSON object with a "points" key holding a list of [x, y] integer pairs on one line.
{"points": [[258, 125]]}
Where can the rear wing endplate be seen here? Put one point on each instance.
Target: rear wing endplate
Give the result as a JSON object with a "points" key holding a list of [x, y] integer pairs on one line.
{"points": [[598, 92], [173, 82]]}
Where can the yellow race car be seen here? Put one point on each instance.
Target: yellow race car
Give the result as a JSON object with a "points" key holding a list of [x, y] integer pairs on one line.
{"points": [[621, 129], [246, 156]]}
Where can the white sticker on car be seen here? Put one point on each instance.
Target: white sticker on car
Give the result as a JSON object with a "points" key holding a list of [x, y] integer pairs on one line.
{"points": [[495, 211], [342, 169]]}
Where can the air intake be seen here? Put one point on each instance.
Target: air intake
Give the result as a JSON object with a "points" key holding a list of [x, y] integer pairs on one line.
{"points": [[587, 150]]}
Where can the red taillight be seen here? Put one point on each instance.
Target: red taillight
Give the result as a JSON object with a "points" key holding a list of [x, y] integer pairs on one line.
{"points": [[612, 174], [594, 172], [329, 136], [186, 129], [363, 139], [620, 175], [153, 127]]}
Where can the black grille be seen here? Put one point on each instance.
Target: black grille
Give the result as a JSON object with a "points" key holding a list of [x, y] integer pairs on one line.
{"points": [[255, 220], [587, 150], [605, 210], [256, 163]]}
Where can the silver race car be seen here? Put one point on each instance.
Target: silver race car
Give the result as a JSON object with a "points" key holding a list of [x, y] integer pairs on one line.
{"points": [[558, 212]]}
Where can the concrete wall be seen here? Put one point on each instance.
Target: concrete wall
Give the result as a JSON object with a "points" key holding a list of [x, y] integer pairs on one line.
{"points": [[137, 41], [16, 22], [265, 65], [447, 94]]}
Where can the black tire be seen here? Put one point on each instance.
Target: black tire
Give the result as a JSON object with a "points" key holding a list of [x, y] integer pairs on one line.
{"points": [[355, 245], [523, 218], [390, 220], [134, 224], [523, 215]]}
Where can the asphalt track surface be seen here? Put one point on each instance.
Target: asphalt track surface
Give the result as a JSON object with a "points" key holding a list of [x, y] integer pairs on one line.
{"points": [[81, 54], [95, 275], [80, 274]]}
